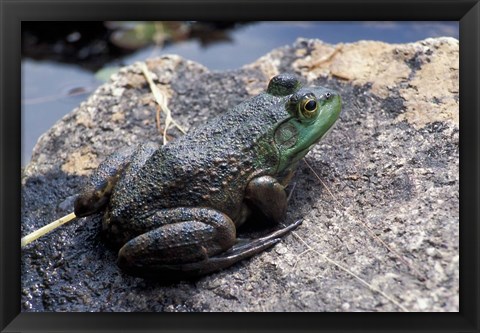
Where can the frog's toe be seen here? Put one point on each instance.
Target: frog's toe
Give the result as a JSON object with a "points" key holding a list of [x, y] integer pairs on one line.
{"points": [[245, 244], [208, 265], [243, 249]]}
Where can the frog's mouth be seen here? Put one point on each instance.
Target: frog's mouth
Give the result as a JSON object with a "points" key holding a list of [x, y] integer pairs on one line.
{"points": [[301, 153], [327, 132], [317, 140]]}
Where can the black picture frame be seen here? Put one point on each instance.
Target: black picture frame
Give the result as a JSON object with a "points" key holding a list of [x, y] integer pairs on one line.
{"points": [[13, 12]]}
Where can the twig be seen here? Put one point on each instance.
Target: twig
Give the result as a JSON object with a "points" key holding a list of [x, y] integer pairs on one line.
{"points": [[161, 100], [46, 229]]}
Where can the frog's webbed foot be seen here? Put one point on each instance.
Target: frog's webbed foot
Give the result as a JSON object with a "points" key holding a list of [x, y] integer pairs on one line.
{"points": [[243, 249], [245, 246]]}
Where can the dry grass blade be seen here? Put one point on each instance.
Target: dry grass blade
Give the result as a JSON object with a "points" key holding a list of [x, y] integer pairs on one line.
{"points": [[419, 275], [351, 273], [161, 99], [46, 229]]}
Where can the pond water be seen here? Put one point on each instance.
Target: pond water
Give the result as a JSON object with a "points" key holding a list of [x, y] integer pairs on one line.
{"points": [[51, 89]]}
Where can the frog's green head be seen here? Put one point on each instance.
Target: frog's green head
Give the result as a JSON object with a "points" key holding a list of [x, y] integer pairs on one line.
{"points": [[312, 112]]}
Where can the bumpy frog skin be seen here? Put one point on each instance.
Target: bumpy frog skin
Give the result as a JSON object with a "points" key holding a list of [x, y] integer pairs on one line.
{"points": [[173, 210]]}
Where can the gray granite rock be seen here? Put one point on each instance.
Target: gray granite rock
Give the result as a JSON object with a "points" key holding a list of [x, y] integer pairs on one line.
{"points": [[381, 225]]}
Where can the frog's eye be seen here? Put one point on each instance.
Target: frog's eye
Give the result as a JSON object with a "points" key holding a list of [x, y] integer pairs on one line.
{"points": [[303, 106], [308, 107]]}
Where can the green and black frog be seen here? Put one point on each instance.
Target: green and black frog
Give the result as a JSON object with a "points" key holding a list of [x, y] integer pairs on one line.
{"points": [[173, 210]]}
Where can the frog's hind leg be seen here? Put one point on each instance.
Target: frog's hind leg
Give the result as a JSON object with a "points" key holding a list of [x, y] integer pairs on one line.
{"points": [[177, 236], [196, 241], [243, 249]]}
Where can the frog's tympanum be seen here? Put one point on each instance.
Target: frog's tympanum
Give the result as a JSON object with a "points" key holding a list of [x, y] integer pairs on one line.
{"points": [[173, 210]]}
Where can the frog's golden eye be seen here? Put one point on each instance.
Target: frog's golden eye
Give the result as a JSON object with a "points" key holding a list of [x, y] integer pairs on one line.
{"points": [[308, 107]]}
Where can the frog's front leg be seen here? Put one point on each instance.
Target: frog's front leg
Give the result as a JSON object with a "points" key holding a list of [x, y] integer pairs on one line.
{"points": [[95, 195], [269, 196]]}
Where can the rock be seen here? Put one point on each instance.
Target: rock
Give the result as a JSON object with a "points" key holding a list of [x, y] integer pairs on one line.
{"points": [[391, 163]]}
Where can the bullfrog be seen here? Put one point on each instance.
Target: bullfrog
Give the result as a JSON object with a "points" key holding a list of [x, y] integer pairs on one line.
{"points": [[173, 211]]}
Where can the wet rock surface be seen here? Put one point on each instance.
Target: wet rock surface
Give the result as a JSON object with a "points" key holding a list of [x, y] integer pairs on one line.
{"points": [[385, 211]]}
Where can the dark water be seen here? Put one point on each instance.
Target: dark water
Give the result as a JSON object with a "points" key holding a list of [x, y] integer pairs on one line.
{"points": [[51, 89]]}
